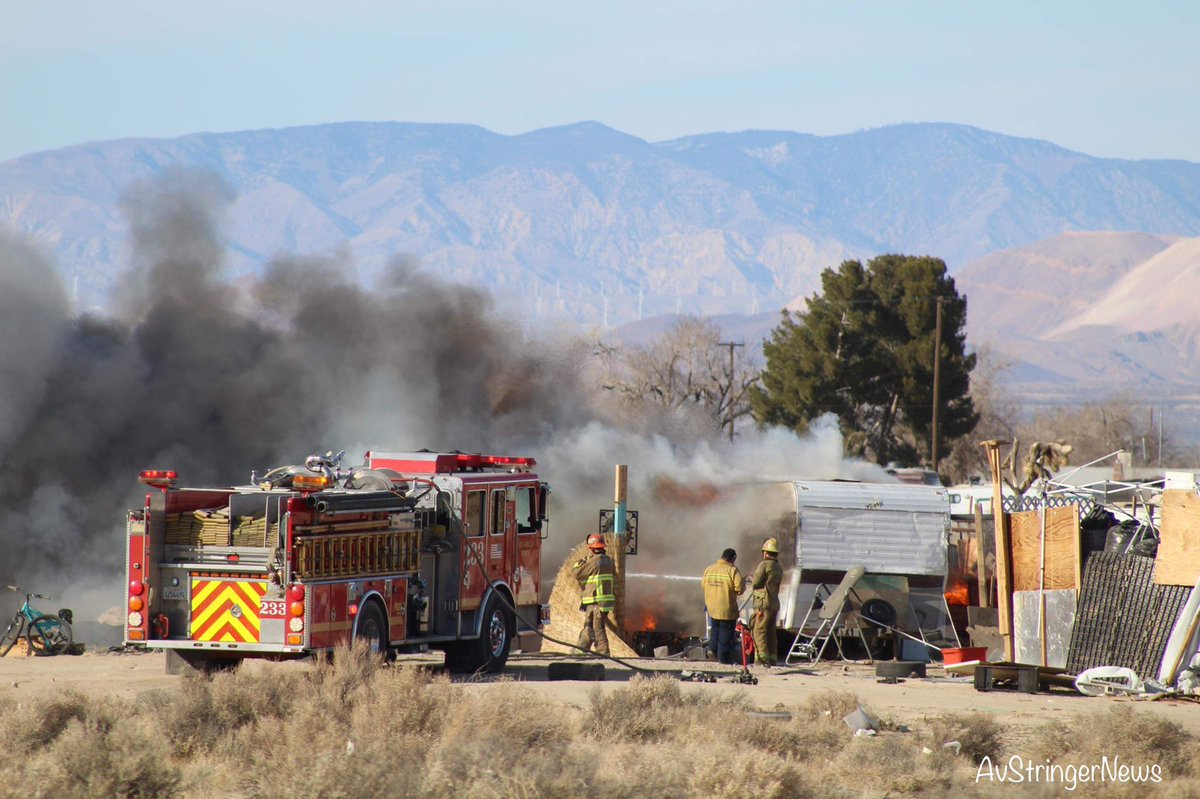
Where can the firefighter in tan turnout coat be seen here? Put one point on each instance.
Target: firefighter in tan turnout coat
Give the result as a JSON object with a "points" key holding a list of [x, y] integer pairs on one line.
{"points": [[765, 598], [595, 574]]}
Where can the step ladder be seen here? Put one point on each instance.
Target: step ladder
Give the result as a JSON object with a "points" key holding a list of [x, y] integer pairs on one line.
{"points": [[832, 610]]}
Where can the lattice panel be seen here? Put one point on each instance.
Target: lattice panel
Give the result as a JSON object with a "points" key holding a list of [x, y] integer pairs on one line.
{"points": [[1123, 618], [1034, 502]]}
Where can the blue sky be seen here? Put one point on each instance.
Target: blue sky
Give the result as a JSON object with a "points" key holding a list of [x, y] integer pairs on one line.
{"points": [[1105, 78]]}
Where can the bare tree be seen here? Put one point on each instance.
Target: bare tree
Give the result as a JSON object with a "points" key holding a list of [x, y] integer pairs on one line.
{"points": [[1096, 429], [686, 369], [999, 415]]}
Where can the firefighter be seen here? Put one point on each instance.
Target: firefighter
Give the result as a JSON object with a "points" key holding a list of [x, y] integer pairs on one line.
{"points": [[765, 585], [723, 584], [595, 574]]}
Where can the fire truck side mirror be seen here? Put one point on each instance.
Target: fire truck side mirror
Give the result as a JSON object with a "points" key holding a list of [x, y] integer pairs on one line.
{"points": [[543, 503]]}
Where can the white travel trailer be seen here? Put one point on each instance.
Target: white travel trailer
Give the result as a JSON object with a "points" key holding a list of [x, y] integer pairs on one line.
{"points": [[897, 532]]}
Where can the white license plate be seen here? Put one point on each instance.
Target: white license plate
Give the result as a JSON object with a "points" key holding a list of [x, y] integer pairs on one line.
{"points": [[175, 592]]}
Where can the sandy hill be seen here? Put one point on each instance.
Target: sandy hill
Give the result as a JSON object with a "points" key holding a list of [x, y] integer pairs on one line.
{"points": [[1160, 293]]}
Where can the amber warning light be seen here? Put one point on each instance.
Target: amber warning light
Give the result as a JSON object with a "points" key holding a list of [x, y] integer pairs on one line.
{"points": [[159, 478]]}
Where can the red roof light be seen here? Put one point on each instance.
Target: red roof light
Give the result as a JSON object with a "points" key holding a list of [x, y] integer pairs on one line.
{"points": [[159, 478]]}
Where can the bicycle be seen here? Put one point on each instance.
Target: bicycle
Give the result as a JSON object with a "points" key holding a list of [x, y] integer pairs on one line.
{"points": [[47, 635]]}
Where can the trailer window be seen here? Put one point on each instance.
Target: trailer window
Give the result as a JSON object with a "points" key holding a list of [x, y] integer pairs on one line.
{"points": [[526, 519], [498, 511], [473, 518]]}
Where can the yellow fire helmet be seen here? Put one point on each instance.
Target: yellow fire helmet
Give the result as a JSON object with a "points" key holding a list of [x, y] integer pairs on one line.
{"points": [[771, 545]]}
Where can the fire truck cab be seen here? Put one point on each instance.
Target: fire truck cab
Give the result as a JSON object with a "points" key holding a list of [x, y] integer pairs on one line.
{"points": [[409, 551]]}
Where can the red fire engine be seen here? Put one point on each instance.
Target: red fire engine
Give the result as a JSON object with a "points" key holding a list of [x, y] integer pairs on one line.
{"points": [[410, 551]]}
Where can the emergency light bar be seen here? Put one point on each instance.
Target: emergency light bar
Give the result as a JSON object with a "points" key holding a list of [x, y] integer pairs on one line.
{"points": [[315, 482], [444, 462], [159, 478], [478, 461]]}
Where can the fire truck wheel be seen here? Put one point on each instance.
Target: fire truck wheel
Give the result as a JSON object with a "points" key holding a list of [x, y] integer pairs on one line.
{"points": [[488, 652], [372, 629], [185, 662]]}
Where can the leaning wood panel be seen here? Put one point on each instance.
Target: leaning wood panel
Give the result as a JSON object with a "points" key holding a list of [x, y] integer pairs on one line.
{"points": [[1003, 550], [1178, 558], [1062, 549]]}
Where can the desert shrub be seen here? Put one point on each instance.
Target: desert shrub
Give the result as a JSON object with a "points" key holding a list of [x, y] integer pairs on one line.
{"points": [[37, 728], [628, 770], [301, 759], [745, 772], [886, 763], [830, 704], [653, 709], [800, 737], [349, 671], [121, 756], [979, 736], [1136, 737], [206, 713], [508, 742], [404, 702], [641, 711]]}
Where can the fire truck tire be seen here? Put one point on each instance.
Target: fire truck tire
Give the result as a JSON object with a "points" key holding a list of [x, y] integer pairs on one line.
{"points": [[583, 672], [371, 627], [489, 652], [185, 662], [49, 635]]}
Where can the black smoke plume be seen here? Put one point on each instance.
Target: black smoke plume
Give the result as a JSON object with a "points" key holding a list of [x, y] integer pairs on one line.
{"points": [[213, 378]]}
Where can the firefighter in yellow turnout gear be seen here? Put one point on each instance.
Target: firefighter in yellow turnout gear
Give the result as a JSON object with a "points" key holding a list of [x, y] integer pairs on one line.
{"points": [[765, 598], [723, 584], [595, 574]]}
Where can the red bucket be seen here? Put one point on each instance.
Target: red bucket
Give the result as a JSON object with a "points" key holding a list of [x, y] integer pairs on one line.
{"points": [[964, 655]]}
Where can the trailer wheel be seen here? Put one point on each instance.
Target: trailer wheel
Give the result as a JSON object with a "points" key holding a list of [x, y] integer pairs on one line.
{"points": [[489, 652], [372, 628]]}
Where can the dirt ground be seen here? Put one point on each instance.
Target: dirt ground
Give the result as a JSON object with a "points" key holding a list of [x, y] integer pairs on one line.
{"points": [[910, 702]]}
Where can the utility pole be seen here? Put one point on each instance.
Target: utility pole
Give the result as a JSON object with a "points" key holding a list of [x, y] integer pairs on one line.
{"points": [[620, 494], [731, 345], [937, 380], [1161, 412]]}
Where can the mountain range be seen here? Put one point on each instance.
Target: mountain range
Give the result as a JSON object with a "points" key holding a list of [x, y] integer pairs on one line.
{"points": [[1079, 271], [603, 227]]}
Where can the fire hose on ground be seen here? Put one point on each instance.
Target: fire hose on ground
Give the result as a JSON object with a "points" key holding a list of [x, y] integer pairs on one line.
{"points": [[516, 615]]}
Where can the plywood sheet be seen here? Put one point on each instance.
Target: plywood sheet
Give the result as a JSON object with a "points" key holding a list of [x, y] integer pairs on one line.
{"points": [[1178, 558], [1062, 549]]}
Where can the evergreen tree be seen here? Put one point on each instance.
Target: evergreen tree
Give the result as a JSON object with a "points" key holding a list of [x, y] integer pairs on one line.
{"points": [[863, 350]]}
